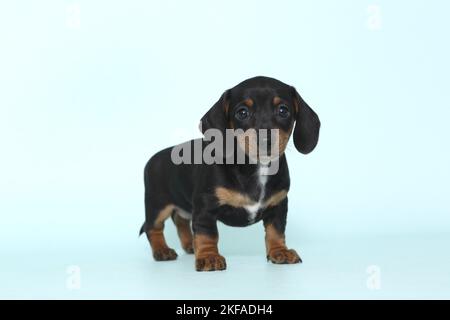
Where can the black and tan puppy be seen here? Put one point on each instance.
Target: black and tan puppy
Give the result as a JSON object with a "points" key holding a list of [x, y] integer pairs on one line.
{"points": [[233, 193]]}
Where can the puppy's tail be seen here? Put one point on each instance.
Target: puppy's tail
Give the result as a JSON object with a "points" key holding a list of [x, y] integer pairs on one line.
{"points": [[143, 228]]}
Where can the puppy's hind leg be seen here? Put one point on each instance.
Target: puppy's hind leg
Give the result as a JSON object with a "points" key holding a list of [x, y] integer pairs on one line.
{"points": [[184, 231], [154, 229]]}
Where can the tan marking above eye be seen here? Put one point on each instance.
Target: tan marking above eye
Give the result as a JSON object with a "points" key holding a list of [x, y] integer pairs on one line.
{"points": [[248, 102], [276, 101]]}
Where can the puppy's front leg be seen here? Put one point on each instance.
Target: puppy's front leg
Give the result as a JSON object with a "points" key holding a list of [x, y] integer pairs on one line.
{"points": [[206, 237], [275, 225]]}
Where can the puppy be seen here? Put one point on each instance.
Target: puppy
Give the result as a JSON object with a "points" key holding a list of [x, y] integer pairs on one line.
{"points": [[237, 194]]}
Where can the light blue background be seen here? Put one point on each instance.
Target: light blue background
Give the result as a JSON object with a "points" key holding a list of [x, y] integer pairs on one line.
{"points": [[83, 108]]}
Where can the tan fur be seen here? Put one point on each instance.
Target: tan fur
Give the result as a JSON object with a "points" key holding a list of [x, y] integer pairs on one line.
{"points": [[207, 257], [163, 215], [276, 249], [236, 199], [274, 240], [248, 142], [296, 105], [275, 199], [205, 245], [184, 233], [276, 101], [232, 198], [157, 240], [248, 102], [283, 139], [155, 235]]}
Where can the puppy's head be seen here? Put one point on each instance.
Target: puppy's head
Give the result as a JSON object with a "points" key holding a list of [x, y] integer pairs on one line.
{"points": [[265, 103]]}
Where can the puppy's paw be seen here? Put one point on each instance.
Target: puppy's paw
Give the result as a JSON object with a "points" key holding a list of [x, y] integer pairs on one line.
{"points": [[189, 248], [284, 256], [210, 263], [164, 254]]}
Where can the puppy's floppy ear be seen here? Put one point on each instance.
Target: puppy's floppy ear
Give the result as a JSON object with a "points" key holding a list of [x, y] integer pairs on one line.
{"points": [[307, 126], [216, 117]]}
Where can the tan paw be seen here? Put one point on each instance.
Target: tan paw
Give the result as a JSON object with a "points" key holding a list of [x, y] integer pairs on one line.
{"points": [[188, 249], [210, 263], [164, 254], [284, 256]]}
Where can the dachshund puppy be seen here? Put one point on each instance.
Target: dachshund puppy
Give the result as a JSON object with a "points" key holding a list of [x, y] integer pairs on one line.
{"points": [[237, 194]]}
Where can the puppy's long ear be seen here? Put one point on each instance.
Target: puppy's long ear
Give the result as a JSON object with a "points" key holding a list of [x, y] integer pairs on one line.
{"points": [[307, 126], [216, 117]]}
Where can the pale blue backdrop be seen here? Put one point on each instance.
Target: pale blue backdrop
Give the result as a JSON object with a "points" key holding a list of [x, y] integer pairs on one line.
{"points": [[89, 90]]}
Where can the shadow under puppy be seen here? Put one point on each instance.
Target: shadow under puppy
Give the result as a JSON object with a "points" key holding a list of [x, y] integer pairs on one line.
{"points": [[235, 194]]}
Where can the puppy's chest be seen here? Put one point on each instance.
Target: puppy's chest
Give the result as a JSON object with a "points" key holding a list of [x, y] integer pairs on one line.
{"points": [[243, 204], [256, 193]]}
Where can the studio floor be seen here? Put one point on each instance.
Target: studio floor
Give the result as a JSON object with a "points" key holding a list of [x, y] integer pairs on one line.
{"points": [[373, 267]]}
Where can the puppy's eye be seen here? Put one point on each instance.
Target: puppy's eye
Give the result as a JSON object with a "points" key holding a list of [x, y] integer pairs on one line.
{"points": [[242, 113], [283, 111]]}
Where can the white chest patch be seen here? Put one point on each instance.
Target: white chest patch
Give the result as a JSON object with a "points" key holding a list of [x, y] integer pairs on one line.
{"points": [[184, 214], [253, 209]]}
